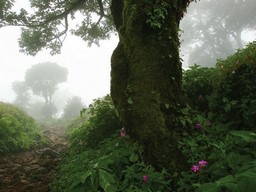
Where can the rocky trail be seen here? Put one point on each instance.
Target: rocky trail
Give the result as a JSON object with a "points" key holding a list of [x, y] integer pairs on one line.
{"points": [[32, 171]]}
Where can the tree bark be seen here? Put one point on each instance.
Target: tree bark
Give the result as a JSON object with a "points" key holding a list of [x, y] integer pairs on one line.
{"points": [[146, 80]]}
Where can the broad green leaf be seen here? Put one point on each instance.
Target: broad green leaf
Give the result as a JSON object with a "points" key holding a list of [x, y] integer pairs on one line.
{"points": [[106, 180], [129, 101], [209, 187], [85, 176], [247, 136], [133, 158]]}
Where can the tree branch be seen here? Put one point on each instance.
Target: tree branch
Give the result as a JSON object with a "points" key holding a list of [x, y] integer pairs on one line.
{"points": [[63, 32], [24, 22]]}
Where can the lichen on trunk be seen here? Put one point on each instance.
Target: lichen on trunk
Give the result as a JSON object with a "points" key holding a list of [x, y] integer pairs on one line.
{"points": [[146, 82]]}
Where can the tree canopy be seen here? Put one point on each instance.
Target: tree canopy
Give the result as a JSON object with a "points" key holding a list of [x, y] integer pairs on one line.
{"points": [[47, 26], [43, 79]]}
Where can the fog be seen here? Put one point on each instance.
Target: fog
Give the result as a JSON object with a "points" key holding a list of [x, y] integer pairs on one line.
{"points": [[88, 68]]}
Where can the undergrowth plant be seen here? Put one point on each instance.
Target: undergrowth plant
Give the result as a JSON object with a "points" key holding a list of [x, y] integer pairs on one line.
{"points": [[219, 139], [222, 138], [102, 157], [18, 131]]}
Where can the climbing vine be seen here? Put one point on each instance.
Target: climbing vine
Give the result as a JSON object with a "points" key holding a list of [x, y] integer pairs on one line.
{"points": [[157, 14]]}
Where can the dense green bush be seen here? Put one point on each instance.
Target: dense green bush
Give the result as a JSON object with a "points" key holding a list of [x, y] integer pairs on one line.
{"points": [[234, 99], [197, 86], [102, 122], [225, 136], [100, 158], [18, 131], [228, 91], [230, 157], [115, 166]]}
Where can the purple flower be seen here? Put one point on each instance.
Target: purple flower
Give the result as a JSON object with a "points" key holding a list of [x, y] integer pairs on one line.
{"points": [[195, 168], [198, 126], [202, 163], [145, 178]]}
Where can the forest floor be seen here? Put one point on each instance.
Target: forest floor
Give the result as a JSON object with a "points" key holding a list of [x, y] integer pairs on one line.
{"points": [[32, 171]]}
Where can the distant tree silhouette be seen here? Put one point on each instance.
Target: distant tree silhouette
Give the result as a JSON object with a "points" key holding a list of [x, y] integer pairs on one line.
{"points": [[22, 94], [73, 107], [44, 78], [213, 29]]}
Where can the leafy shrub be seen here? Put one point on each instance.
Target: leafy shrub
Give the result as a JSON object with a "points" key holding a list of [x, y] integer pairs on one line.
{"points": [[197, 86], [103, 121], [225, 136], [115, 166], [230, 156], [99, 159], [234, 99], [18, 131]]}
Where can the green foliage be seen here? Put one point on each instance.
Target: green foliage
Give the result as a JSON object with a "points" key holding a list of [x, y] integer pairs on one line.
{"points": [[115, 165], [230, 156], [227, 91], [103, 121], [224, 136], [198, 85], [5, 7], [47, 26], [99, 159], [234, 99], [18, 131], [156, 13]]}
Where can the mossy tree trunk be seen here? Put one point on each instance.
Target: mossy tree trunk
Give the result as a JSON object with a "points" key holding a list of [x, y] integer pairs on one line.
{"points": [[146, 78]]}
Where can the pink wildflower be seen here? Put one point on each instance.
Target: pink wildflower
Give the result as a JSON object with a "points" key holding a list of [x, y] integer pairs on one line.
{"points": [[145, 178], [195, 168], [122, 132], [202, 163], [198, 126]]}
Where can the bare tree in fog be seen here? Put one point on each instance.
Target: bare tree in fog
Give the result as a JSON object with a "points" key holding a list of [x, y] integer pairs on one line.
{"points": [[213, 29]]}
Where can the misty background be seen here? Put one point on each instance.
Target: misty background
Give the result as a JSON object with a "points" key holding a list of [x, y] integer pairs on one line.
{"points": [[211, 29]]}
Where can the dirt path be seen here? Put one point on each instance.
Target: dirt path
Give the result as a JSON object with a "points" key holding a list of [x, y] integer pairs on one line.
{"points": [[32, 171]]}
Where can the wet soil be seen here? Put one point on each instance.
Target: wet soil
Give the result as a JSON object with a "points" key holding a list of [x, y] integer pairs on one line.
{"points": [[32, 171]]}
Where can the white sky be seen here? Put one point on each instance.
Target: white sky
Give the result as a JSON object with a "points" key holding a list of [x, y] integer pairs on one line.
{"points": [[89, 68]]}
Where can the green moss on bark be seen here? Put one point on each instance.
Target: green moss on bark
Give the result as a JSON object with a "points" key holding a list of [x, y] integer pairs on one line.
{"points": [[149, 94]]}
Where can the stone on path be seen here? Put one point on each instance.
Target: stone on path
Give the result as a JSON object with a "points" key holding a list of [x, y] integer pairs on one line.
{"points": [[32, 171]]}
